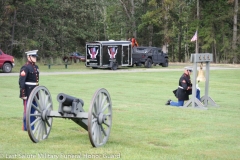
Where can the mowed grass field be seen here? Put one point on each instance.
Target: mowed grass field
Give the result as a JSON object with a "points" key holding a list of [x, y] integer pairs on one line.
{"points": [[143, 128]]}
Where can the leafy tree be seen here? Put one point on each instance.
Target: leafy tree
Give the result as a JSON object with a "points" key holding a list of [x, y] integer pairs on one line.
{"points": [[58, 27]]}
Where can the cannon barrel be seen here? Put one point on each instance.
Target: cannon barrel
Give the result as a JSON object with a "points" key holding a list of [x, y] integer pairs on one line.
{"points": [[69, 104], [67, 100]]}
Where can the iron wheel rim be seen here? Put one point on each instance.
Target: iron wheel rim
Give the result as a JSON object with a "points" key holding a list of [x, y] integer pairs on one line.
{"points": [[43, 106], [100, 118]]}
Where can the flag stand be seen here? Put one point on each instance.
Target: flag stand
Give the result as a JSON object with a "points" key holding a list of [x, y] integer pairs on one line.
{"points": [[205, 100]]}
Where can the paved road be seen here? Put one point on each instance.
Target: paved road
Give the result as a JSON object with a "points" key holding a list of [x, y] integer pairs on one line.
{"points": [[100, 71]]}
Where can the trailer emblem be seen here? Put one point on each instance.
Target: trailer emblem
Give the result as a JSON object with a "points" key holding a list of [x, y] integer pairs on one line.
{"points": [[93, 52], [112, 52]]}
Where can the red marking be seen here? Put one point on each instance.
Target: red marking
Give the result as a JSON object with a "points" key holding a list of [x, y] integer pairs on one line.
{"points": [[24, 111]]}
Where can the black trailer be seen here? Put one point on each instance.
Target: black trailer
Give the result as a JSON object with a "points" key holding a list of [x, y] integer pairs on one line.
{"points": [[108, 54]]}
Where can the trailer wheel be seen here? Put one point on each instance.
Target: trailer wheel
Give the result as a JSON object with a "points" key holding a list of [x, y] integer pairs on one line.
{"points": [[148, 63], [114, 66]]}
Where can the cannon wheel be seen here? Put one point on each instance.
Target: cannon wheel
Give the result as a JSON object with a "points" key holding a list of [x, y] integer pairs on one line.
{"points": [[40, 126], [100, 118]]}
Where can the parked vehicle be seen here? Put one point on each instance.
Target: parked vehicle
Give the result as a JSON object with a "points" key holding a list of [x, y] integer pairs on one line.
{"points": [[149, 56], [6, 62], [75, 57], [108, 54]]}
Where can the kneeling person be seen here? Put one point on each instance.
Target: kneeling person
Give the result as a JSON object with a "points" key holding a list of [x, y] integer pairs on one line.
{"points": [[184, 88]]}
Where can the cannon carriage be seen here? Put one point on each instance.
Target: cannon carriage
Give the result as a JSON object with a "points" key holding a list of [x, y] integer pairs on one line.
{"points": [[97, 121]]}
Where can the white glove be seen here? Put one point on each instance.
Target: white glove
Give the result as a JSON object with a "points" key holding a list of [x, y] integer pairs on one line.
{"points": [[24, 98], [197, 87]]}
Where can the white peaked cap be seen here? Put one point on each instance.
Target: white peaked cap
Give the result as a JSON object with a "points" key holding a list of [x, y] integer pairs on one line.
{"points": [[33, 52], [188, 68]]}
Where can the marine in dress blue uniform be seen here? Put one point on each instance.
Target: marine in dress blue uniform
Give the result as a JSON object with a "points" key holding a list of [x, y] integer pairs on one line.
{"points": [[184, 89], [28, 80]]}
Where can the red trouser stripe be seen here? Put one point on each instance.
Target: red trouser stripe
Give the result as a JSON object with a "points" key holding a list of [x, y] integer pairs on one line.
{"points": [[24, 112]]}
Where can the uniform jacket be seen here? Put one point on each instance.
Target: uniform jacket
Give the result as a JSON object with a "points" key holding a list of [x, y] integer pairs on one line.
{"points": [[28, 73], [184, 83]]}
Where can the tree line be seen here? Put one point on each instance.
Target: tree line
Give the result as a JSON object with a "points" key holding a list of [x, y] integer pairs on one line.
{"points": [[58, 27]]}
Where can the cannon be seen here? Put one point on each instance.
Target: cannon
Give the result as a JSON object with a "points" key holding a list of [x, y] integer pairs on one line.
{"points": [[97, 121]]}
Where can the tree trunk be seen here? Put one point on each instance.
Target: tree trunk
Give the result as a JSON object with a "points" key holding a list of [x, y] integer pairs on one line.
{"points": [[105, 24], [131, 15], [150, 31], [234, 42], [215, 52], [180, 56], [13, 30], [166, 36], [133, 19]]}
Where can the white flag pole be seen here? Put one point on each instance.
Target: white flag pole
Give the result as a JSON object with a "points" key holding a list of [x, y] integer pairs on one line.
{"points": [[196, 42]]}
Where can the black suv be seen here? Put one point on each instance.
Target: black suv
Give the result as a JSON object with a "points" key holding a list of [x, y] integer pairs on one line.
{"points": [[149, 56]]}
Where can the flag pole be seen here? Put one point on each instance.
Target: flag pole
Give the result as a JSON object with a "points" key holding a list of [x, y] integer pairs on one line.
{"points": [[196, 48]]}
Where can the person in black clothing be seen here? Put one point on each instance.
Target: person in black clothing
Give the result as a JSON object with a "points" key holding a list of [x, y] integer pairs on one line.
{"points": [[28, 80], [184, 89]]}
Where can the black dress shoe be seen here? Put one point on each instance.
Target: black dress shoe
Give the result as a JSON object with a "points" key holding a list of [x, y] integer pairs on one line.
{"points": [[168, 102]]}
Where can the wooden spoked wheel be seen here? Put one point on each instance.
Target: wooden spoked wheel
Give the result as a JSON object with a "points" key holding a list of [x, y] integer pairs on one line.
{"points": [[39, 106], [100, 118]]}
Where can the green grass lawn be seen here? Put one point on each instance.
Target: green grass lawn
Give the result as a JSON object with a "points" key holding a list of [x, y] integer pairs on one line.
{"points": [[143, 128]]}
